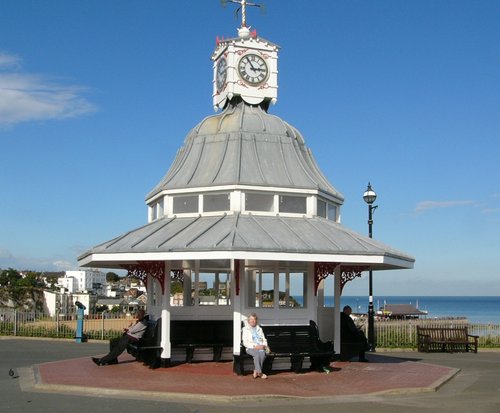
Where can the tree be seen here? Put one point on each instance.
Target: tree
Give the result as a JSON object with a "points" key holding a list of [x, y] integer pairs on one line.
{"points": [[21, 291], [31, 279], [9, 277], [112, 277], [176, 287], [52, 280]]}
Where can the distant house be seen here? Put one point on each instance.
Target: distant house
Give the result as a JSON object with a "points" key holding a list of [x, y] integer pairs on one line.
{"points": [[82, 280], [400, 311], [63, 303], [111, 303], [131, 294]]}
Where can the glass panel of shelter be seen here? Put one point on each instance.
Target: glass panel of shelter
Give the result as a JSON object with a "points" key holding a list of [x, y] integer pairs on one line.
{"points": [[206, 287], [292, 289], [321, 208], [293, 204], [261, 287], [214, 288], [253, 202], [216, 202], [185, 204], [259, 202]]}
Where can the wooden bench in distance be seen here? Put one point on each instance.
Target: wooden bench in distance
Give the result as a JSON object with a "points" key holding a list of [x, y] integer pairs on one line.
{"points": [[294, 341], [445, 339]]}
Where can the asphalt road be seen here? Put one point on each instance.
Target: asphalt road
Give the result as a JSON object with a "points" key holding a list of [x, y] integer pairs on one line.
{"points": [[475, 389]]}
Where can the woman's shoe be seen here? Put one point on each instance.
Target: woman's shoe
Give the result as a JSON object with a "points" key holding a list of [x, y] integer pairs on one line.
{"points": [[263, 376]]}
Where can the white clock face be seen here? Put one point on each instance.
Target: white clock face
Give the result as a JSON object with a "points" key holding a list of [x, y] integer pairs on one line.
{"points": [[221, 74], [253, 69]]}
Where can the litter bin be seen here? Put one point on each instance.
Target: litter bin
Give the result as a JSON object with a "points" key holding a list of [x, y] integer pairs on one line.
{"points": [[80, 337]]}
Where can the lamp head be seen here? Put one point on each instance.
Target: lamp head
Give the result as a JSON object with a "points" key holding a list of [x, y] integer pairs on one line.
{"points": [[369, 196]]}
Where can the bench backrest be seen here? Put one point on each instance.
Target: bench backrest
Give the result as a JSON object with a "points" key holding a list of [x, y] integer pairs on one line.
{"points": [[444, 333], [198, 332], [152, 335], [293, 337]]}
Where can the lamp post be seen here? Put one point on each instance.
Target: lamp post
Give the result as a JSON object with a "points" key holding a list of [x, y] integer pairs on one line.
{"points": [[369, 197]]}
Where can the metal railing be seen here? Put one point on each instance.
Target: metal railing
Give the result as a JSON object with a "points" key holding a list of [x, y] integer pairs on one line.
{"points": [[403, 333], [103, 326]]}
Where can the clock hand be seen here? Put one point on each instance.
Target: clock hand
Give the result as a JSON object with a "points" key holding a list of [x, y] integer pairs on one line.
{"points": [[251, 64]]}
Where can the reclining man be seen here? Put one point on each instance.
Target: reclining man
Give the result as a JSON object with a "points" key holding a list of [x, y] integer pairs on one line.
{"points": [[131, 334]]}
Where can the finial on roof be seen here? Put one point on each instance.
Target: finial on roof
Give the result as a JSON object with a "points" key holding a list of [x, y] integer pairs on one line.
{"points": [[243, 31]]}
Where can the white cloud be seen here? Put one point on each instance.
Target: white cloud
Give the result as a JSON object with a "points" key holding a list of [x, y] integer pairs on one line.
{"points": [[27, 97], [7, 60], [62, 265], [425, 206], [7, 259], [490, 210]]}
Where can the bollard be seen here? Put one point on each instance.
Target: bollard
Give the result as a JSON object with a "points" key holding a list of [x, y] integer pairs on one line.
{"points": [[80, 337]]}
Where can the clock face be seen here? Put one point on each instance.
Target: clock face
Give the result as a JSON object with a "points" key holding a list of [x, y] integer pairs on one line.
{"points": [[253, 69], [221, 74]]}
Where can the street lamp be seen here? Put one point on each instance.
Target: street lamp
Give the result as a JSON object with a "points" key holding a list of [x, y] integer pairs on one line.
{"points": [[369, 197]]}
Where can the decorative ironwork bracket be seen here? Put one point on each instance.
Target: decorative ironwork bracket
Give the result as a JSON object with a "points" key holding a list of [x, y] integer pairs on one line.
{"points": [[349, 273], [177, 275], [321, 271], [142, 269]]}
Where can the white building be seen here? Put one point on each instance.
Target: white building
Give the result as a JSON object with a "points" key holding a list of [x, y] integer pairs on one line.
{"points": [[63, 303], [82, 280]]}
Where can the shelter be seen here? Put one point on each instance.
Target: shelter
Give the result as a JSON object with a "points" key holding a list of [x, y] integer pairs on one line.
{"points": [[400, 311], [244, 220]]}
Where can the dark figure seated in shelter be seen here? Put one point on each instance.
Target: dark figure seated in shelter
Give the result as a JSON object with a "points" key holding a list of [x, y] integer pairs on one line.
{"points": [[352, 340], [118, 345]]}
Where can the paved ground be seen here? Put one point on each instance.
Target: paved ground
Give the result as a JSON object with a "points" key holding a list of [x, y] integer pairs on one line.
{"points": [[58, 376]]}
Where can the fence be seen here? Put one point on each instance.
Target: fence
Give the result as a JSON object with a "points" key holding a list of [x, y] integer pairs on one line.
{"points": [[102, 326], [403, 333], [389, 333]]}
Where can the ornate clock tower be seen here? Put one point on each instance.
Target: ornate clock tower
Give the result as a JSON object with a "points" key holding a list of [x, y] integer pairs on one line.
{"points": [[245, 66]]}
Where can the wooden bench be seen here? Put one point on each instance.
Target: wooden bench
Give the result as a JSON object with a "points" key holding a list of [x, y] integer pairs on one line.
{"points": [[295, 342], [445, 339], [148, 348], [192, 334]]}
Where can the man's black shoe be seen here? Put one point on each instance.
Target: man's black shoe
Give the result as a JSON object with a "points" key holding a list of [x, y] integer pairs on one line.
{"points": [[96, 361]]}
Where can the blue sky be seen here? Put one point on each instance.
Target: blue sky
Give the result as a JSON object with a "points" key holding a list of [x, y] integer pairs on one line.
{"points": [[96, 97]]}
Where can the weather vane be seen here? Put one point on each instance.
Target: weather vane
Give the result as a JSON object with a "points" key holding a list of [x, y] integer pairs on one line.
{"points": [[243, 7]]}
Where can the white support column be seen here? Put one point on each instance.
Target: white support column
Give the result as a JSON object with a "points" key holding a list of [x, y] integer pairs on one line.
{"points": [[312, 204], [236, 201], [165, 315], [336, 310], [236, 302]]}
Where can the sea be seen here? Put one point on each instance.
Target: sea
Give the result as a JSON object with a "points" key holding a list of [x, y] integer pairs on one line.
{"points": [[485, 309]]}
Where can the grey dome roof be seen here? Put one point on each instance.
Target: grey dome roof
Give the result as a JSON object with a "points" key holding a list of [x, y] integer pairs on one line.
{"points": [[244, 145]]}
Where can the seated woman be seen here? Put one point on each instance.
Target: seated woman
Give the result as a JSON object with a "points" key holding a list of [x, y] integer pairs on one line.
{"points": [[255, 344]]}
